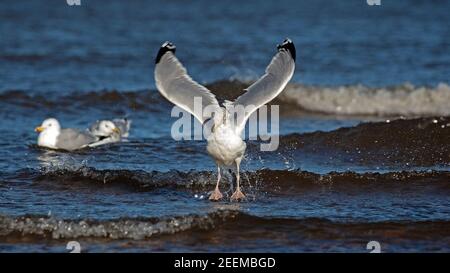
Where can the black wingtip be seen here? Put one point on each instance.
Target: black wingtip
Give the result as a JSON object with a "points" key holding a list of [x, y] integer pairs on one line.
{"points": [[289, 46], [167, 46]]}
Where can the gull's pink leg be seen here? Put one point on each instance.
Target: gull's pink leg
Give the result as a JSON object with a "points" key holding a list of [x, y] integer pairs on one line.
{"points": [[216, 195], [237, 195]]}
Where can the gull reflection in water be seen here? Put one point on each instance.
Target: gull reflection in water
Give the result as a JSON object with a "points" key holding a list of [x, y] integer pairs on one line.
{"points": [[50, 160]]}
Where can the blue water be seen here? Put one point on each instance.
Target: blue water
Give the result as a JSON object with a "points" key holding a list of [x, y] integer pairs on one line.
{"points": [[95, 46]]}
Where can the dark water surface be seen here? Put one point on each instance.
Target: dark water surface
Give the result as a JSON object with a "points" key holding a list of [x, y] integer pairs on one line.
{"points": [[364, 148]]}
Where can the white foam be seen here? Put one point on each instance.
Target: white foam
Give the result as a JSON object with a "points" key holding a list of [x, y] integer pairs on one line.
{"points": [[405, 99]]}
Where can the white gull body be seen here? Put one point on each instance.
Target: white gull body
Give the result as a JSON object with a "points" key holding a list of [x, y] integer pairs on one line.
{"points": [[225, 144]]}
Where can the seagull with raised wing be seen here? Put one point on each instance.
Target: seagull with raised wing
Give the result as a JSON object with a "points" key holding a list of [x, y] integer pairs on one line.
{"points": [[225, 144]]}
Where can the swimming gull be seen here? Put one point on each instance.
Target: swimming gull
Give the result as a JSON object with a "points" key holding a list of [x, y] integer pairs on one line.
{"points": [[110, 131], [101, 128]]}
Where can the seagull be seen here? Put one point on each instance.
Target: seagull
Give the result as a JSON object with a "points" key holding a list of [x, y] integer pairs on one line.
{"points": [[104, 129], [52, 136], [225, 144]]}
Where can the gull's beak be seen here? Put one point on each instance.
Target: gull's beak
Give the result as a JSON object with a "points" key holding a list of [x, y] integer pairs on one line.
{"points": [[39, 129], [116, 130]]}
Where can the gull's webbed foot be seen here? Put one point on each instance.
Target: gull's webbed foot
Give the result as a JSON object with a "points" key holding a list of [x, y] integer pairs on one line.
{"points": [[216, 195], [237, 196]]}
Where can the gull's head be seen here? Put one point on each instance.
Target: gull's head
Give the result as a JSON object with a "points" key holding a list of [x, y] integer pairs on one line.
{"points": [[48, 133], [107, 128], [50, 124]]}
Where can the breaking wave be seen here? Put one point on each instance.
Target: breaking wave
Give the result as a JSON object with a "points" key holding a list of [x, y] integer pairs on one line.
{"points": [[137, 228], [265, 180], [228, 221], [406, 99]]}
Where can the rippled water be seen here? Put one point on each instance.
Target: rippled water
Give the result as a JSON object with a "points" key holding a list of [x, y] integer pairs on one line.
{"points": [[364, 128]]}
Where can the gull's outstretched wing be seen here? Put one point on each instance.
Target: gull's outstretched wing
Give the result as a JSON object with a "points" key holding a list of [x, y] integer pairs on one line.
{"points": [[278, 74], [174, 83]]}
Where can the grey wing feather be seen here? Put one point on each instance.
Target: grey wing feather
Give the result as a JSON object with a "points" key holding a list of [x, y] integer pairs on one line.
{"points": [[177, 86], [108, 140], [278, 74], [73, 139]]}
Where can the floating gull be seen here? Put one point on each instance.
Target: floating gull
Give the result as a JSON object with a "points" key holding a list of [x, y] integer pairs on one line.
{"points": [[52, 136], [225, 144], [110, 130]]}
